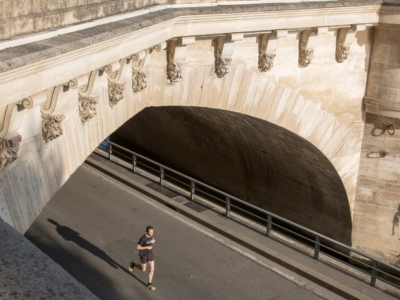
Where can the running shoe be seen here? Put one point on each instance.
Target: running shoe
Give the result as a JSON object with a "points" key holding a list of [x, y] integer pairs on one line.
{"points": [[131, 266], [151, 287]]}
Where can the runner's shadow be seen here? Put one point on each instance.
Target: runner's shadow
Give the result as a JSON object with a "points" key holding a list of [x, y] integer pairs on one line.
{"points": [[69, 234]]}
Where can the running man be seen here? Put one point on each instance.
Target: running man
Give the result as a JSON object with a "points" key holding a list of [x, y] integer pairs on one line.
{"points": [[145, 246]]}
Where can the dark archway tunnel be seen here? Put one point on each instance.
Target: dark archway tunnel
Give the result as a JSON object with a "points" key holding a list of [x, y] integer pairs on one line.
{"points": [[250, 158]]}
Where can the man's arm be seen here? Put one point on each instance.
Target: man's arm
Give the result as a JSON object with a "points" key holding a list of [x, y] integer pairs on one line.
{"points": [[139, 247]]}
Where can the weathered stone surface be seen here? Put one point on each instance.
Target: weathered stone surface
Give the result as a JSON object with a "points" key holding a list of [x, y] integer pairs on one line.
{"points": [[24, 17], [378, 189], [103, 32], [321, 103], [383, 92], [27, 273]]}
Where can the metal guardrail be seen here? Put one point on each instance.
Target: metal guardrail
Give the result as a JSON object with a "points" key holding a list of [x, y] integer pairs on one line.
{"points": [[370, 263]]}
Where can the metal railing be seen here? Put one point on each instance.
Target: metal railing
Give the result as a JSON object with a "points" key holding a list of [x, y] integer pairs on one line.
{"points": [[318, 242]]}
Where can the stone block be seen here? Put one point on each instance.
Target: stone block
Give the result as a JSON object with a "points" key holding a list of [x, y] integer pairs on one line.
{"points": [[370, 182], [21, 26], [387, 35], [392, 187], [388, 196]]}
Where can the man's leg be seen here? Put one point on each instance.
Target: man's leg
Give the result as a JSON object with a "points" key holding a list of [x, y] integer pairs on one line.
{"points": [[141, 267], [151, 270], [151, 273]]}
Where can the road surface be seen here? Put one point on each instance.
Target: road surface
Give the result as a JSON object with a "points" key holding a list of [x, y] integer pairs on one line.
{"points": [[91, 228]]}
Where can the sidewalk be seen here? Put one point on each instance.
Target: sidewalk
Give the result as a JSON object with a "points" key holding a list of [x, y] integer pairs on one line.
{"points": [[326, 272]]}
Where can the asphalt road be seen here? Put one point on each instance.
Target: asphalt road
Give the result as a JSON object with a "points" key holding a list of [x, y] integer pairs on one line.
{"points": [[91, 228]]}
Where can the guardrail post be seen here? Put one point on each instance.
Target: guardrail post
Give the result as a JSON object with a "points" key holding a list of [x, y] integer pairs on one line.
{"points": [[228, 207], [109, 151], [269, 225], [374, 272], [134, 160], [192, 189], [161, 176], [317, 246]]}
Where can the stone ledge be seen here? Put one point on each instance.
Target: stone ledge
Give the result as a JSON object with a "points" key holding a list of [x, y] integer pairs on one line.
{"points": [[382, 108], [27, 273], [391, 2], [35, 17], [26, 54]]}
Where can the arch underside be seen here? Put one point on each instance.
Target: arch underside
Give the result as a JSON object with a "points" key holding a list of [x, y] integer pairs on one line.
{"points": [[255, 160]]}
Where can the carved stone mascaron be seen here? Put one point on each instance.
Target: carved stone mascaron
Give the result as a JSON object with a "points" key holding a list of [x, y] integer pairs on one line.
{"points": [[9, 150], [115, 92], [305, 57], [222, 66], [87, 108], [266, 62], [139, 81], [51, 127], [342, 53], [174, 71]]}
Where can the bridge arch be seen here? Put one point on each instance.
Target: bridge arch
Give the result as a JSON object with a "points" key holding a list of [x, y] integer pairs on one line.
{"points": [[43, 167]]}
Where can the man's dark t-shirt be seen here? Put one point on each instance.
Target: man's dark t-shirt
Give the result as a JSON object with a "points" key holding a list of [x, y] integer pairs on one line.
{"points": [[144, 242]]}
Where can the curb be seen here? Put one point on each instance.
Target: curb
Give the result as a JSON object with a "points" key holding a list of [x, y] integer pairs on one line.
{"points": [[290, 264]]}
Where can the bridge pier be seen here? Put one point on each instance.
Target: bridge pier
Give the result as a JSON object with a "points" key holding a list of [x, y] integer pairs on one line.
{"points": [[377, 205]]}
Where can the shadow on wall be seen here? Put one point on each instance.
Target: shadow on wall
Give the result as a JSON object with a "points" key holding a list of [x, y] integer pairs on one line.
{"points": [[396, 218], [250, 158]]}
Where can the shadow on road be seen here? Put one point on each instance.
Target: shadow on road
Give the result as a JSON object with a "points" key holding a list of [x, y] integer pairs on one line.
{"points": [[69, 234]]}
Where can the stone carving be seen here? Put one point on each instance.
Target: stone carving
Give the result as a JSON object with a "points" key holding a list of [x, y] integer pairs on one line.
{"points": [[305, 57], [342, 53], [268, 46], [115, 92], [51, 127], [139, 81], [51, 100], [159, 47], [224, 48], [345, 38], [265, 62], [176, 55], [87, 108], [174, 71], [9, 150], [92, 83], [307, 42], [222, 66]]}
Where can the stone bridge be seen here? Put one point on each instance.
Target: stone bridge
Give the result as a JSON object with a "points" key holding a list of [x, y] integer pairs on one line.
{"points": [[327, 71]]}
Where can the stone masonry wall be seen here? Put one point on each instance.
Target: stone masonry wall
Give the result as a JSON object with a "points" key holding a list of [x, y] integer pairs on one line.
{"points": [[19, 18], [377, 207], [23, 17]]}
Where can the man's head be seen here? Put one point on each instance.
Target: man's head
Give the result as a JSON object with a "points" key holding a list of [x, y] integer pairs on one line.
{"points": [[149, 230]]}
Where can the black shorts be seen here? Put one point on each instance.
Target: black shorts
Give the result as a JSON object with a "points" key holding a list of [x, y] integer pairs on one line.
{"points": [[146, 258]]}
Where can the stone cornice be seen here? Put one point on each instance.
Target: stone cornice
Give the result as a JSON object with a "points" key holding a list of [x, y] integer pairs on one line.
{"points": [[390, 14], [33, 66], [92, 19], [382, 108]]}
